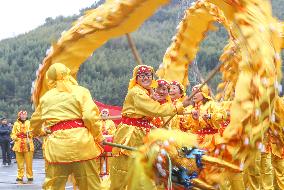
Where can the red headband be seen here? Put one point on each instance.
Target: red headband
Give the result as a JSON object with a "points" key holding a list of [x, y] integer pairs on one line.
{"points": [[162, 82], [143, 69], [22, 112], [177, 84]]}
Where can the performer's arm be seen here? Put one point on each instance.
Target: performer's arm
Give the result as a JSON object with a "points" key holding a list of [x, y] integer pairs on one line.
{"points": [[36, 122], [14, 132], [149, 107], [90, 115], [218, 114]]}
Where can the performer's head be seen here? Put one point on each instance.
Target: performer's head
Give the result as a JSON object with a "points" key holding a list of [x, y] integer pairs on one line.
{"points": [[22, 115], [143, 76], [163, 89], [105, 113], [59, 77], [203, 93], [176, 90], [4, 121]]}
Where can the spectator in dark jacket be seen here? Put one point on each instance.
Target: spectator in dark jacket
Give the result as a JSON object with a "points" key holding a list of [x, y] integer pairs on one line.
{"points": [[5, 139], [12, 153]]}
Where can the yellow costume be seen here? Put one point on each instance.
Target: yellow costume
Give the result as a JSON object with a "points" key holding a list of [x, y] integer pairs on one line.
{"points": [[137, 107], [72, 116], [23, 147], [159, 122], [272, 163], [178, 121], [207, 129], [108, 129]]}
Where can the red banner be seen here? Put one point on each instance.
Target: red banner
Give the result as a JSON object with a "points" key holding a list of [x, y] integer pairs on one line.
{"points": [[113, 110]]}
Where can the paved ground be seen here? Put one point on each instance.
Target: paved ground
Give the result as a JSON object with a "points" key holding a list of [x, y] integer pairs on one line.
{"points": [[8, 176]]}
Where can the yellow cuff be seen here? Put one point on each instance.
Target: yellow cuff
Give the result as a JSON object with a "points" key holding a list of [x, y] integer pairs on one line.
{"points": [[179, 108]]}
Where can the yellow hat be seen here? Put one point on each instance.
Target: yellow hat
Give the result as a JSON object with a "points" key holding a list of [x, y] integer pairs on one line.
{"points": [[59, 77], [162, 82], [181, 87], [204, 91], [139, 70]]}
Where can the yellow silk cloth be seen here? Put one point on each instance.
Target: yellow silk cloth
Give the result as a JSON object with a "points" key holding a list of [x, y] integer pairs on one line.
{"points": [[138, 104], [218, 114], [21, 144], [177, 121], [107, 126], [110, 20], [69, 145]]}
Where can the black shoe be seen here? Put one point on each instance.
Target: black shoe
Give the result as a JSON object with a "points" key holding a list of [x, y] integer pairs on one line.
{"points": [[9, 164], [19, 180], [30, 179]]}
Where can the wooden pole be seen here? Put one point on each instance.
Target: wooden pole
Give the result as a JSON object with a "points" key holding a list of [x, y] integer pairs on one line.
{"points": [[134, 50]]}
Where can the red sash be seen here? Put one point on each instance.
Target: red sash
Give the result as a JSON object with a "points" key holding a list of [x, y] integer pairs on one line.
{"points": [[69, 124]]}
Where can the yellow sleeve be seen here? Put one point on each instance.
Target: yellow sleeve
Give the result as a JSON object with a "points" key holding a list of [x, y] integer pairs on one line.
{"points": [[190, 123], [28, 129], [148, 107], [218, 114], [90, 115], [36, 122], [112, 127], [14, 132]]}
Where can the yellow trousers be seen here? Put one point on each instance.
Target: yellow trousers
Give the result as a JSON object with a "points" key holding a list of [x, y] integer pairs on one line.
{"points": [[252, 175], [121, 178], [235, 182], [266, 171], [25, 158], [85, 174], [118, 172], [278, 167]]}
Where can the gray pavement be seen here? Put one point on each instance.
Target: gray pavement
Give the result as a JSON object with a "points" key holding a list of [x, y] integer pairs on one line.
{"points": [[8, 176]]}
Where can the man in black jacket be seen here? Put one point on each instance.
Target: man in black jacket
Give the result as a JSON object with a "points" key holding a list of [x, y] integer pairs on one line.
{"points": [[5, 139]]}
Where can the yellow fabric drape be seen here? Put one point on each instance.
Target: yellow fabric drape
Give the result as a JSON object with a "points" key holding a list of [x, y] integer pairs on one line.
{"points": [[91, 31]]}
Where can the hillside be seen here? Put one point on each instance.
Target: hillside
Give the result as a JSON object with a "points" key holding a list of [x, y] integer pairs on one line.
{"points": [[108, 71]]}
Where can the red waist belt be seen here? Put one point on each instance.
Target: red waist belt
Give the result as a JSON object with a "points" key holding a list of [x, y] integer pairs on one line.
{"points": [[207, 131], [22, 135], [137, 122], [69, 124]]}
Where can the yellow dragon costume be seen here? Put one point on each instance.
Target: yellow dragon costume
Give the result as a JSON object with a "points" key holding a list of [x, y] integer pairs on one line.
{"points": [[256, 39]]}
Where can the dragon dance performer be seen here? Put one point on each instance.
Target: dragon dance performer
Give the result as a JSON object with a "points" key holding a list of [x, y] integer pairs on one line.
{"points": [[23, 147], [68, 110], [177, 94], [205, 118], [161, 95], [108, 126], [108, 129], [138, 107]]}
